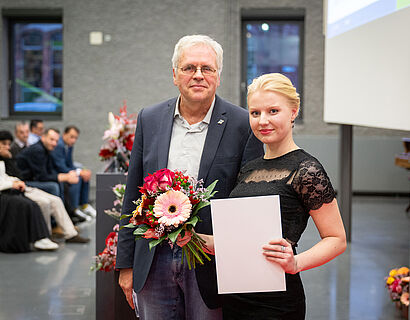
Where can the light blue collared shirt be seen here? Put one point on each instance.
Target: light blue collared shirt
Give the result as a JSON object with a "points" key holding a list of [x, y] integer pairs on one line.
{"points": [[187, 142]]}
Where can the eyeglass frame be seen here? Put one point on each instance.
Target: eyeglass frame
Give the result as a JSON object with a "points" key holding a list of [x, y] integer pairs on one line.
{"points": [[213, 71]]}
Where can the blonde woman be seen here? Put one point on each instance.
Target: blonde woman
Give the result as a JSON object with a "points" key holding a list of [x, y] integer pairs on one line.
{"points": [[305, 191]]}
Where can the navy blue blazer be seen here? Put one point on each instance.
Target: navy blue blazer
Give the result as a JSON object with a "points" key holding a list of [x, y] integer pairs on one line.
{"points": [[229, 144], [62, 157]]}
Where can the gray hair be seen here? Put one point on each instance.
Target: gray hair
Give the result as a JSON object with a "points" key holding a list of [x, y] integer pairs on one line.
{"points": [[20, 123], [192, 40]]}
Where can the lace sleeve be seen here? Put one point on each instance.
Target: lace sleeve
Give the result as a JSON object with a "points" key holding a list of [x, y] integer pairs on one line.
{"points": [[313, 185]]}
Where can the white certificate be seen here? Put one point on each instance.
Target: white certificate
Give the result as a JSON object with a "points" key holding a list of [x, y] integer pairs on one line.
{"points": [[241, 227]]}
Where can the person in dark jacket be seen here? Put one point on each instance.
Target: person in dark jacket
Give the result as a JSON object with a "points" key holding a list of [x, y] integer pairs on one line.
{"points": [[37, 166], [63, 160]]}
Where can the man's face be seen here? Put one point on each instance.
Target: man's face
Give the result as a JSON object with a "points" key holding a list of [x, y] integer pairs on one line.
{"points": [[50, 140], [70, 137], [5, 149], [197, 87], [38, 129], [22, 132]]}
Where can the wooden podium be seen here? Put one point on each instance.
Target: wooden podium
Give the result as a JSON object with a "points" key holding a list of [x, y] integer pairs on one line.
{"points": [[110, 300]]}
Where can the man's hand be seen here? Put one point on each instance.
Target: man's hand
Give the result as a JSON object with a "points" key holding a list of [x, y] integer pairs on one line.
{"points": [[85, 174], [19, 185], [125, 282], [70, 177]]}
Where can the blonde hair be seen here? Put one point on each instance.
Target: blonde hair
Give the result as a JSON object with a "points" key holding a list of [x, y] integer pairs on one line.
{"points": [[278, 83]]}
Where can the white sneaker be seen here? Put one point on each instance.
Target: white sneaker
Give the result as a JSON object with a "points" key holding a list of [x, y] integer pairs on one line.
{"points": [[81, 214], [45, 244], [89, 210]]}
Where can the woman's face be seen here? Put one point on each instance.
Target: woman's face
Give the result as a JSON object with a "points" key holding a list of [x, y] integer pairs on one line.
{"points": [[271, 116]]}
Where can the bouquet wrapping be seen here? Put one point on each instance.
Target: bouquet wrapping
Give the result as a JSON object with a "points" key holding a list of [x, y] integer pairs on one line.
{"points": [[168, 211]]}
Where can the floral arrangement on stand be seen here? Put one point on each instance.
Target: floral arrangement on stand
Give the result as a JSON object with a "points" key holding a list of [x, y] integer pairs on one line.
{"points": [[118, 139], [168, 210], [105, 260], [397, 284]]}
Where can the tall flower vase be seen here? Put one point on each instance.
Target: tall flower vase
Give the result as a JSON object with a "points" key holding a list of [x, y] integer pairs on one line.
{"points": [[110, 300]]}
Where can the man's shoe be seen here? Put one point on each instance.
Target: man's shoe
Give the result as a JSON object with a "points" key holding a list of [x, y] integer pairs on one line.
{"points": [[78, 239], [57, 232], [81, 214], [77, 220], [89, 210], [45, 244]]}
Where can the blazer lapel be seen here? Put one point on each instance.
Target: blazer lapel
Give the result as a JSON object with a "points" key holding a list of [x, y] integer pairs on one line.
{"points": [[213, 137], [165, 134]]}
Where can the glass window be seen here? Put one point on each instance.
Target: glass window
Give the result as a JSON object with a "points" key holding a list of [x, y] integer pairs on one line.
{"points": [[272, 46], [36, 68]]}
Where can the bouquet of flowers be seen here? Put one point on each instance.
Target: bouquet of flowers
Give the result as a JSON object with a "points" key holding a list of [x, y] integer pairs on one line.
{"points": [[168, 210], [398, 285], [119, 138], [105, 260]]}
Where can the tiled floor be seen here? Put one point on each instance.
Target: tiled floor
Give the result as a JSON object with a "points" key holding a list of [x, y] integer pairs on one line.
{"points": [[58, 285]]}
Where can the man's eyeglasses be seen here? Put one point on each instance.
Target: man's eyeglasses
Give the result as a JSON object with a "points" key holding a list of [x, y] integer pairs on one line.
{"points": [[190, 70]]}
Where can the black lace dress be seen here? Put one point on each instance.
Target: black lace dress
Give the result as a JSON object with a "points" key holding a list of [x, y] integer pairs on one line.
{"points": [[303, 185]]}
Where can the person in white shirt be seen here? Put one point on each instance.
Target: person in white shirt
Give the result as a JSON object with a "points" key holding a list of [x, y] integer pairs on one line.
{"points": [[36, 131]]}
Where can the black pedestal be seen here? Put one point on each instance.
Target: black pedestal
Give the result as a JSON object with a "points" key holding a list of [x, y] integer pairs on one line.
{"points": [[110, 300]]}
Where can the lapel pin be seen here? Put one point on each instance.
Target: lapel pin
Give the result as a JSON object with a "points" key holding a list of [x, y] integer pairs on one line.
{"points": [[220, 121]]}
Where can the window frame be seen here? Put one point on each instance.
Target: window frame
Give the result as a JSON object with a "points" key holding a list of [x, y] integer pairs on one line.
{"points": [[10, 17], [292, 15]]}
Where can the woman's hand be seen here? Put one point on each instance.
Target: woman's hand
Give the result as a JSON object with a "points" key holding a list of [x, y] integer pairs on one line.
{"points": [[19, 185], [280, 251], [209, 243]]}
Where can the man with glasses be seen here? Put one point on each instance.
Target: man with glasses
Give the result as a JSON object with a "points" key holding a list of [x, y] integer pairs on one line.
{"points": [[210, 139]]}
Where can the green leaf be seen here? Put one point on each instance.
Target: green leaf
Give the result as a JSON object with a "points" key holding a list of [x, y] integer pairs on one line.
{"points": [[200, 206], [125, 216], [141, 230], [130, 225], [173, 235], [155, 242], [193, 221], [211, 187]]}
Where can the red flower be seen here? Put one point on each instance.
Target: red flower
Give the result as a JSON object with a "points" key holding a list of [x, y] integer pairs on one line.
{"points": [[105, 153], [193, 200], [159, 181], [129, 141]]}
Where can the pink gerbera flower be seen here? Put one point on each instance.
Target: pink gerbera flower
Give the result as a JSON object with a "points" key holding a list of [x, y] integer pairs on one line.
{"points": [[172, 208]]}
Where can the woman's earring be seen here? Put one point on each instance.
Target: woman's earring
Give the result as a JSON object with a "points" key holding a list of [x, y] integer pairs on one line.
{"points": [[293, 123]]}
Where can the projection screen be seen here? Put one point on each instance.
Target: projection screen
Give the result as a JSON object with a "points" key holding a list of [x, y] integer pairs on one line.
{"points": [[367, 63]]}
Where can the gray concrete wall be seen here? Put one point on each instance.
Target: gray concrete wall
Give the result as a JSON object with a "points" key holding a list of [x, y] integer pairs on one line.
{"points": [[135, 66]]}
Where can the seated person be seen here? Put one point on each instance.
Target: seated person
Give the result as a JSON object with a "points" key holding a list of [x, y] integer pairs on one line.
{"points": [[21, 221], [63, 160], [50, 205], [20, 142], [37, 167], [36, 131]]}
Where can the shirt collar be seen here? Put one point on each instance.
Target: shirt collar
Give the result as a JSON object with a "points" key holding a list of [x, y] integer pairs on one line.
{"points": [[20, 143], [206, 119]]}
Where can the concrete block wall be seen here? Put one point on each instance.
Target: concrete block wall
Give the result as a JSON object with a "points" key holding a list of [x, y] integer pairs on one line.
{"points": [[136, 66]]}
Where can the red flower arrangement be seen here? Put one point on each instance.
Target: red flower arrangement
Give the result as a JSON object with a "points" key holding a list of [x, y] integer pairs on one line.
{"points": [[119, 138], [168, 210], [105, 260]]}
